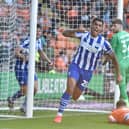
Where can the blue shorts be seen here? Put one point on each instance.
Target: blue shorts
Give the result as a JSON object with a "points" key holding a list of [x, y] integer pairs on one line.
{"points": [[80, 75], [22, 76]]}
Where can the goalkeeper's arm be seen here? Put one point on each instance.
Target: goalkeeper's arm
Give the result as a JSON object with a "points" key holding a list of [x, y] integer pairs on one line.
{"points": [[111, 119]]}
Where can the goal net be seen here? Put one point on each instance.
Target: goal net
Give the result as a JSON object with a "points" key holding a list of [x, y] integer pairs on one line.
{"points": [[54, 16], [14, 20]]}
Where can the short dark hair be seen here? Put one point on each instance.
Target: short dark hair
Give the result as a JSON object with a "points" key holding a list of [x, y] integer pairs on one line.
{"points": [[39, 26], [120, 103], [117, 21], [97, 19]]}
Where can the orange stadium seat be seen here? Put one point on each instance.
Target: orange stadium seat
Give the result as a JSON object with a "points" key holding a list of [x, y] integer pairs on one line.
{"points": [[109, 35], [126, 3], [127, 18]]}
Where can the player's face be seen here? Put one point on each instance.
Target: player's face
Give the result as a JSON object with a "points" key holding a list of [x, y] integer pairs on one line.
{"points": [[115, 28], [96, 28], [39, 32]]}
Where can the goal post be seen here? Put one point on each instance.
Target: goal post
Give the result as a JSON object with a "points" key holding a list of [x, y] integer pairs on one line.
{"points": [[120, 9], [33, 26]]}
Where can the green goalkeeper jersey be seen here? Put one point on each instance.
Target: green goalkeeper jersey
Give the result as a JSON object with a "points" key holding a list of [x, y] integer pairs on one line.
{"points": [[120, 44]]}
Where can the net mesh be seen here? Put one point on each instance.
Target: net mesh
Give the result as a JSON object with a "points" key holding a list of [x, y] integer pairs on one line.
{"points": [[54, 16], [14, 19]]}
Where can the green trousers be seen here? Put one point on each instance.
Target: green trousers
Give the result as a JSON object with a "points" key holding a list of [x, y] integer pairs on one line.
{"points": [[124, 68]]}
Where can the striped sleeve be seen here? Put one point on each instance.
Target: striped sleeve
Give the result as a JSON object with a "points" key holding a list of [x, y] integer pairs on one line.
{"points": [[79, 34], [107, 47]]}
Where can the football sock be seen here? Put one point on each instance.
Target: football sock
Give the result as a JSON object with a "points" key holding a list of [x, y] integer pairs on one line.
{"points": [[25, 101], [63, 103], [18, 94]]}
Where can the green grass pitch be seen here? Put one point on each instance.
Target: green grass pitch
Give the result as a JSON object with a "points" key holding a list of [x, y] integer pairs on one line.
{"points": [[71, 120]]}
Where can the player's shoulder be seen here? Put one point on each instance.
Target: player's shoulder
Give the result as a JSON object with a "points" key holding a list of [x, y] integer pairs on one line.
{"points": [[25, 40], [39, 41], [103, 39], [100, 36], [82, 33], [126, 33], [121, 109]]}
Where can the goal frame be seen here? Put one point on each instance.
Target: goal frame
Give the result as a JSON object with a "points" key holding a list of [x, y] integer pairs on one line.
{"points": [[30, 97]]}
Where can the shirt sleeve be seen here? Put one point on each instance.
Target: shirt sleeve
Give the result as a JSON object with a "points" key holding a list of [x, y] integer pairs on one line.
{"points": [[39, 45], [25, 42], [114, 42], [79, 34], [107, 48]]}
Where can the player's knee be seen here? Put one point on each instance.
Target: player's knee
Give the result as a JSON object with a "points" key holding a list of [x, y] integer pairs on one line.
{"points": [[75, 97], [23, 90], [76, 93]]}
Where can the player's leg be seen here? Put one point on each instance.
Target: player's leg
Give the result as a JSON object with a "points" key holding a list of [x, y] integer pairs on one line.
{"points": [[85, 77], [72, 79], [21, 76], [15, 96], [89, 91], [23, 107], [65, 99], [123, 87], [127, 84]]}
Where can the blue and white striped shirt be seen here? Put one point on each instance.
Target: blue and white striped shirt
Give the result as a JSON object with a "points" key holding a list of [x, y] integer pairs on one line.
{"points": [[25, 46], [90, 50]]}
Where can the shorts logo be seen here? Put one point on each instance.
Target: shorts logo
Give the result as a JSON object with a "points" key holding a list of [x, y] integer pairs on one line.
{"points": [[69, 73], [84, 83]]}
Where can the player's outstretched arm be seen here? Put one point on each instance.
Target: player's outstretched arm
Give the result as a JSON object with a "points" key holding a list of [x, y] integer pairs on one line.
{"points": [[71, 33], [116, 66], [44, 56]]}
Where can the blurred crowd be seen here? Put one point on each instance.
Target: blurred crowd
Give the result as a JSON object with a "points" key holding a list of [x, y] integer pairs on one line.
{"points": [[54, 16]]}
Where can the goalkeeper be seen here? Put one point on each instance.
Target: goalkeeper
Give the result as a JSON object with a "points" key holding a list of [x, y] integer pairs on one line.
{"points": [[120, 114], [120, 44], [21, 67]]}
